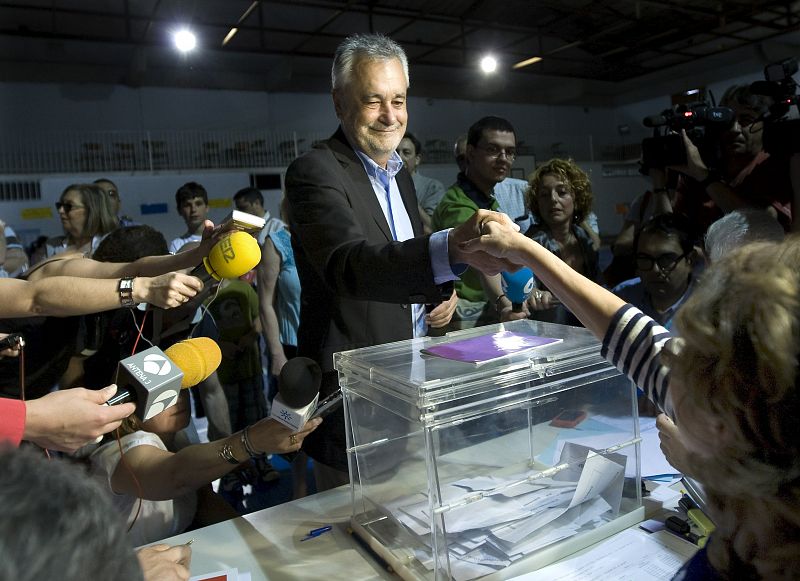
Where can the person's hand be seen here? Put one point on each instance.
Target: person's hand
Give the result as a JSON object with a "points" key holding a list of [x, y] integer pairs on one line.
{"points": [[672, 444], [473, 230], [272, 437], [8, 352], [694, 167], [442, 313], [498, 240], [165, 563], [166, 291], [68, 419], [542, 300], [508, 313]]}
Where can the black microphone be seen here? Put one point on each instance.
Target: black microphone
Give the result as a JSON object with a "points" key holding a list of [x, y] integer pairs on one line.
{"points": [[298, 392], [152, 378], [654, 121]]}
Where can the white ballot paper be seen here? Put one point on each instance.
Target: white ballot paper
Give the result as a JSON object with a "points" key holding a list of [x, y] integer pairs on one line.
{"points": [[493, 521], [632, 555]]}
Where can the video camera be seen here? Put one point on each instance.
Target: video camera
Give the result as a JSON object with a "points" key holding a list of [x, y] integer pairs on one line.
{"points": [[702, 123], [781, 135]]}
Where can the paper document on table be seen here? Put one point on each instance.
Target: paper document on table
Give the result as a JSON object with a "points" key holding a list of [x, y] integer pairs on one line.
{"points": [[632, 555]]}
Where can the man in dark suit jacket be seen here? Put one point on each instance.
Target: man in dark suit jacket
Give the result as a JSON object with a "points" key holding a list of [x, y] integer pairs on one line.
{"points": [[366, 272]]}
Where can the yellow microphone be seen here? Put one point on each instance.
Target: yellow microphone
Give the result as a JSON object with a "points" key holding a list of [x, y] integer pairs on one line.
{"points": [[198, 358], [231, 257]]}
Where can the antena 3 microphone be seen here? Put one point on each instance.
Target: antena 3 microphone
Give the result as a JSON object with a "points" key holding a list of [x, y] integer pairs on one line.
{"points": [[152, 378], [298, 392], [231, 257]]}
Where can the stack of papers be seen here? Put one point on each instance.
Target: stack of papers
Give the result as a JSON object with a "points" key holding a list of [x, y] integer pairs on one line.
{"points": [[493, 521]]}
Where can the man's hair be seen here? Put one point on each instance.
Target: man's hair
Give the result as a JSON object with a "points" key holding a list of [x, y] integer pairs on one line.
{"points": [[249, 194], [573, 176], [415, 141], [99, 217], [131, 243], [669, 224], [373, 46], [58, 523], [189, 191], [738, 228], [742, 95], [489, 123]]}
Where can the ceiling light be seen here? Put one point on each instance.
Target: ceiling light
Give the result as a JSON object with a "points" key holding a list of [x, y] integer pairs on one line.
{"points": [[525, 63], [229, 36], [184, 40], [488, 64]]}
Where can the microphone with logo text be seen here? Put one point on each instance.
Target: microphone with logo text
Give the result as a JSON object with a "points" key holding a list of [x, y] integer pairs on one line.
{"points": [[152, 379], [517, 286], [298, 392], [231, 257]]}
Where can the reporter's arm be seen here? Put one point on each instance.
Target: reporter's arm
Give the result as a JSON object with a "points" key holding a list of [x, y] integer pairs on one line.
{"points": [[165, 475], [67, 296], [147, 266]]}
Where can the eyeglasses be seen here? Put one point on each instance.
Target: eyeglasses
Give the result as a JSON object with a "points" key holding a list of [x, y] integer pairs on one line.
{"points": [[67, 206], [495, 152], [665, 262]]}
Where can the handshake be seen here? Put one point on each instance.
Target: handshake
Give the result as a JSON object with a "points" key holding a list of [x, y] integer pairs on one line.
{"points": [[486, 242]]}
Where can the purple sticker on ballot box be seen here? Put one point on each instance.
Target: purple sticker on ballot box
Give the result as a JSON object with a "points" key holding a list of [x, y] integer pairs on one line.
{"points": [[489, 347]]}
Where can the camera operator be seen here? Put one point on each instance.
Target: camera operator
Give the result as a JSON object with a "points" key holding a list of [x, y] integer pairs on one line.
{"points": [[734, 172]]}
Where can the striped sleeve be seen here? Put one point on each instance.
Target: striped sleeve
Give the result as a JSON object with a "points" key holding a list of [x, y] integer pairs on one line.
{"points": [[632, 344]]}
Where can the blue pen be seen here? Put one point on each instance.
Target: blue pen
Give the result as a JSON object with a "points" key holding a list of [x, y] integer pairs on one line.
{"points": [[317, 532]]}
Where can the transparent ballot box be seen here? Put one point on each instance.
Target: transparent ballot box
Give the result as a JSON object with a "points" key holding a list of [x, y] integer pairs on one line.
{"points": [[463, 470]]}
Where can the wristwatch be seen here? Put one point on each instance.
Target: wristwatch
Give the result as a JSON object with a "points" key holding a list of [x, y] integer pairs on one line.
{"points": [[125, 289]]}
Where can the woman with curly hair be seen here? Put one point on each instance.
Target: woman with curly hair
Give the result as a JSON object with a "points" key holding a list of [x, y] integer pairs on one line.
{"points": [[560, 199]]}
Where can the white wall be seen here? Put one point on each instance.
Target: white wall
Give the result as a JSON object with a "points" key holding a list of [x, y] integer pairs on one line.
{"points": [[136, 191]]}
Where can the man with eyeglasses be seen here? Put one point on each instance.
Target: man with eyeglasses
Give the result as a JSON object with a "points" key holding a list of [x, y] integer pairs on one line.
{"points": [[490, 152], [665, 259]]}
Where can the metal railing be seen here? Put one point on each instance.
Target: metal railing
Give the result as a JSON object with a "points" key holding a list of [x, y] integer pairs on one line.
{"points": [[152, 151]]}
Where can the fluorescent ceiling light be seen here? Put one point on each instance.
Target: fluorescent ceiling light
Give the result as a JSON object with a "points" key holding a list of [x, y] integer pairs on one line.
{"points": [[525, 63]]}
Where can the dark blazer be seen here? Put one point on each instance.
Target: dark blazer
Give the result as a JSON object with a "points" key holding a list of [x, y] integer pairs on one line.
{"points": [[356, 282]]}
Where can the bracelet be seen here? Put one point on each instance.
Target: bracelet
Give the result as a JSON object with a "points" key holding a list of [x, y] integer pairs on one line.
{"points": [[226, 453], [125, 289], [497, 300], [248, 446]]}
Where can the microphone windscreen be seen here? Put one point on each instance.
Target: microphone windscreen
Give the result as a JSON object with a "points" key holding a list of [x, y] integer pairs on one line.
{"points": [[198, 358], [518, 285], [299, 382], [233, 256]]}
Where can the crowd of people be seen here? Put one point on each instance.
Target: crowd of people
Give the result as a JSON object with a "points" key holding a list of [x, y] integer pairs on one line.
{"points": [[700, 307]]}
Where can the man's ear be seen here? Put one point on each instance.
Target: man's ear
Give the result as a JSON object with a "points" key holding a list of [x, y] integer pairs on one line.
{"points": [[337, 102]]}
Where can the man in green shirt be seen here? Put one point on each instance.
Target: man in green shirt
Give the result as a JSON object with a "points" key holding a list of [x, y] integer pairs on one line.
{"points": [[490, 153]]}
